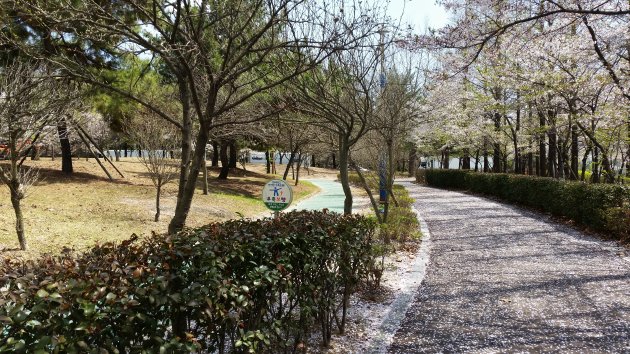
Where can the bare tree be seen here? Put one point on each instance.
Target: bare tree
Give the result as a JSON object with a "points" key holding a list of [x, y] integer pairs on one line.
{"points": [[391, 127], [218, 54], [340, 98], [155, 139], [30, 100], [292, 134]]}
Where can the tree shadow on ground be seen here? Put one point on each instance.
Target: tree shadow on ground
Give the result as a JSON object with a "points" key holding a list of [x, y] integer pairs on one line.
{"points": [[239, 182], [49, 176]]}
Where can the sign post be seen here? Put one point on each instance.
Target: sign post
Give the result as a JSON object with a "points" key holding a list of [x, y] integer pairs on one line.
{"points": [[277, 195]]}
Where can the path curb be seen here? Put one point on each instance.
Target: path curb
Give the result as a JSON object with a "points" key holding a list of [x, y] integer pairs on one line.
{"points": [[398, 308]]}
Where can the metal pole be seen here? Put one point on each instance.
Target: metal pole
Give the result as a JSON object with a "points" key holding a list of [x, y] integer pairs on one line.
{"points": [[382, 166]]}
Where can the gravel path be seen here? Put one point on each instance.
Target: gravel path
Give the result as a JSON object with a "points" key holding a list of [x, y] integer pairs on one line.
{"points": [[502, 279]]}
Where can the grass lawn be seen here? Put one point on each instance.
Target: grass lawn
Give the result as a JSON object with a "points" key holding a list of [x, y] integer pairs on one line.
{"points": [[86, 208], [588, 174]]}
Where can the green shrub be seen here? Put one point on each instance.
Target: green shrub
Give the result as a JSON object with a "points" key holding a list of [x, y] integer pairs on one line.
{"points": [[445, 178], [618, 220], [244, 286], [402, 223], [589, 204]]}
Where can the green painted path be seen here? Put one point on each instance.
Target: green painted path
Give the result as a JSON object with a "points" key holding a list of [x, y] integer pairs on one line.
{"points": [[330, 196]]}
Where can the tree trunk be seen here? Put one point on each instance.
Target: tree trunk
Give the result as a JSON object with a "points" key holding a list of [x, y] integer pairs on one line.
{"points": [[215, 154], [609, 174], [344, 151], [19, 218], [561, 159], [542, 148], [552, 159], [334, 160], [496, 156], [446, 158], [595, 168], [157, 201], [205, 177], [66, 149], [14, 187], [390, 177], [36, 152], [477, 161], [518, 163], [188, 171], [466, 159], [225, 161], [517, 158], [233, 155], [584, 160], [268, 160], [188, 191], [369, 193], [413, 156], [574, 152], [628, 137], [297, 169], [289, 164], [486, 164]]}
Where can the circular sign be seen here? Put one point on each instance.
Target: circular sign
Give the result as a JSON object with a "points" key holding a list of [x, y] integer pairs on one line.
{"points": [[277, 195]]}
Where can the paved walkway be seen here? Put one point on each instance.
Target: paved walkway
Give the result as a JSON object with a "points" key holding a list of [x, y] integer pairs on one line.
{"points": [[502, 279], [330, 197]]}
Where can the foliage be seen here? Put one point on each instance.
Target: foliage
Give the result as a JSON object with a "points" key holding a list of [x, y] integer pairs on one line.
{"points": [[354, 180], [402, 223], [594, 205], [618, 221], [242, 285]]}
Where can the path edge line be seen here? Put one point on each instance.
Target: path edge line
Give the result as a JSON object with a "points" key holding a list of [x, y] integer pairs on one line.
{"points": [[392, 321]]}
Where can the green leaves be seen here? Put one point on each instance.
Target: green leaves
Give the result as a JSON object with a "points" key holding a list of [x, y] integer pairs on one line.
{"points": [[244, 279], [589, 204]]}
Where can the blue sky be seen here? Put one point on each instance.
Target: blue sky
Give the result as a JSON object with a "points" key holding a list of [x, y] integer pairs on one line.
{"points": [[418, 13]]}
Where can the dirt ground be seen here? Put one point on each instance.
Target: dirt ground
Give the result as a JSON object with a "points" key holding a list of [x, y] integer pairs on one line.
{"points": [[85, 208]]}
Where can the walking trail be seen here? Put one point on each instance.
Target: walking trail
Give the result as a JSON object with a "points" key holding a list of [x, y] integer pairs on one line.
{"points": [[330, 197], [503, 279]]}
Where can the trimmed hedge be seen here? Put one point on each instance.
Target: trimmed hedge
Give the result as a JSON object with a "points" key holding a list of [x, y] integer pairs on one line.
{"points": [[601, 206], [238, 286]]}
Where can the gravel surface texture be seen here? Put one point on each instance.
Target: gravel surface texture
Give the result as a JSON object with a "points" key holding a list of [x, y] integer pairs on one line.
{"points": [[503, 279]]}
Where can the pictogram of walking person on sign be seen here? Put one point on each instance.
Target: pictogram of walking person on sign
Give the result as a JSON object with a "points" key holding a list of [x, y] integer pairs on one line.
{"points": [[277, 195]]}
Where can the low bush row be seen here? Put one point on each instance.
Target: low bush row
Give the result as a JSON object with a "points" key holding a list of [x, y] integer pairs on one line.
{"points": [[238, 286], [604, 207], [402, 223]]}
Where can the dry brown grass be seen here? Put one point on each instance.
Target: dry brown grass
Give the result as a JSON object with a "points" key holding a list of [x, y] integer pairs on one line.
{"points": [[86, 208]]}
